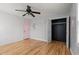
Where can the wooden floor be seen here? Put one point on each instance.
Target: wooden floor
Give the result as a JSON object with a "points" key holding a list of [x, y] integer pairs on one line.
{"points": [[34, 47]]}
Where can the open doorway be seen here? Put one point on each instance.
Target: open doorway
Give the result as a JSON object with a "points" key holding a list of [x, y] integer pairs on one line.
{"points": [[60, 30]]}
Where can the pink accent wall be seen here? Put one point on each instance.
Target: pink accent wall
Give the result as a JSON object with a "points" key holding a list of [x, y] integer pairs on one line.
{"points": [[26, 29]]}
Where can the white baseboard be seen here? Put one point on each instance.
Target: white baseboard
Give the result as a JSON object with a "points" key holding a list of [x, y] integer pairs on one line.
{"points": [[71, 51], [10, 42], [39, 39]]}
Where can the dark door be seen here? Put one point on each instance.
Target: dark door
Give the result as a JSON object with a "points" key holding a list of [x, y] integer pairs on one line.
{"points": [[59, 29]]}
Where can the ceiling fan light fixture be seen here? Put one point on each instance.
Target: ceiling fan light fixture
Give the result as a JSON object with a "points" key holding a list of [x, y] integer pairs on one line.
{"points": [[29, 11]]}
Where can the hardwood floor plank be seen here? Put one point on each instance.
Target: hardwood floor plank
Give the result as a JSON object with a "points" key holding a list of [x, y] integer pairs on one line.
{"points": [[35, 47]]}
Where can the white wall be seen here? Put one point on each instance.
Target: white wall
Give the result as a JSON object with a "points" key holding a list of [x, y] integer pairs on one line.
{"points": [[11, 28], [41, 26], [73, 40]]}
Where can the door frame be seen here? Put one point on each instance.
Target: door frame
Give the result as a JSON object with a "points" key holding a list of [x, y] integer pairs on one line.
{"points": [[67, 30]]}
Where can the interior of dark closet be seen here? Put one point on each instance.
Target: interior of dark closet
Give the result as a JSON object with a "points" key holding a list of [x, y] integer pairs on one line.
{"points": [[58, 29]]}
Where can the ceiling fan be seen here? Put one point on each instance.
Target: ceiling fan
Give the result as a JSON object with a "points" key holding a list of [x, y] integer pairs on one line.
{"points": [[28, 11]]}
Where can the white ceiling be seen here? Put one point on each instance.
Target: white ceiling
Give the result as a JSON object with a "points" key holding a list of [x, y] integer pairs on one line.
{"points": [[47, 8]]}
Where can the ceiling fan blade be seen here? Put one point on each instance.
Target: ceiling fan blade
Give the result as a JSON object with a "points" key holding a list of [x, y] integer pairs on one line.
{"points": [[24, 14], [21, 10], [35, 12], [32, 14]]}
